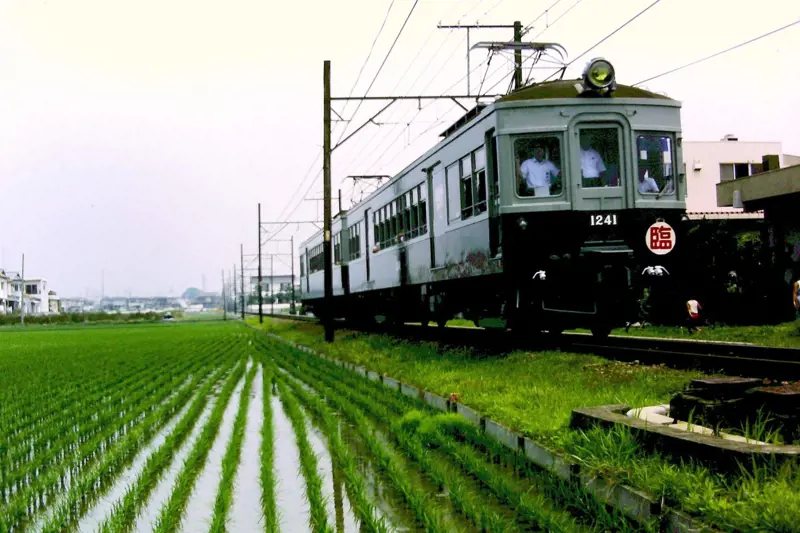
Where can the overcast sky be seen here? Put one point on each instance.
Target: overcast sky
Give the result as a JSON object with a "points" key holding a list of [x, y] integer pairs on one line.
{"points": [[137, 137]]}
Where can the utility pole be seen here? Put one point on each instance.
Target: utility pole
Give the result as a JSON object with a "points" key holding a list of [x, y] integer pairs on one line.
{"points": [[326, 166], [517, 26], [224, 302], [517, 55], [260, 302], [271, 288], [22, 294], [235, 298], [291, 305], [241, 271]]}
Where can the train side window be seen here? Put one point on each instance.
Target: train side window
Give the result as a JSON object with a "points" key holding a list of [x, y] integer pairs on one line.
{"points": [[599, 157], [466, 187], [302, 265], [480, 181], [422, 209], [656, 169], [539, 166], [337, 248]]}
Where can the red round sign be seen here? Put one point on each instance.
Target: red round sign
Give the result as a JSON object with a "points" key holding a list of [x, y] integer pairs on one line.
{"points": [[660, 238]]}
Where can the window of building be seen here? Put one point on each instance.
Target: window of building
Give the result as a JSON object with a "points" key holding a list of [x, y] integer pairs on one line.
{"points": [[599, 157], [655, 164], [735, 171], [353, 243], [31, 288], [538, 164]]}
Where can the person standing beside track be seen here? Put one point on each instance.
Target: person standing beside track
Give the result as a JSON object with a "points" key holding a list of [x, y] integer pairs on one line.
{"points": [[693, 308]]}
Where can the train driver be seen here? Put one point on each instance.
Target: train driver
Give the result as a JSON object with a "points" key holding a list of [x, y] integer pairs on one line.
{"points": [[647, 184], [592, 166], [538, 173]]}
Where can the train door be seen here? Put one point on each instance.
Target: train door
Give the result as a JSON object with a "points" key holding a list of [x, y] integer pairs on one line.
{"points": [[367, 249], [599, 179], [437, 215], [495, 228]]}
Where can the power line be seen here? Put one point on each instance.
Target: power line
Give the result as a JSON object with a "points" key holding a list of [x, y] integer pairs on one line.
{"points": [[604, 39], [372, 48], [397, 37], [718, 53]]}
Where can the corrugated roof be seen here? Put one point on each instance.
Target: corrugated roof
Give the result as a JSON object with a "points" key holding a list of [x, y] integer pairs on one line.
{"points": [[566, 89]]}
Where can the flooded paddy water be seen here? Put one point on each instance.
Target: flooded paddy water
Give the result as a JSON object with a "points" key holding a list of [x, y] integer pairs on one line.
{"points": [[331, 460]]}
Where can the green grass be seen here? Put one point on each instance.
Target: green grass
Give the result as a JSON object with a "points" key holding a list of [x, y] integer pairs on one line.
{"points": [[535, 392], [786, 335]]}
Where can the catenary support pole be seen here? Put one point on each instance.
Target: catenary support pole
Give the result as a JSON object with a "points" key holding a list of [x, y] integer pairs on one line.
{"points": [[241, 273], [326, 166], [260, 298], [271, 287], [517, 55], [291, 306], [224, 302], [235, 297]]}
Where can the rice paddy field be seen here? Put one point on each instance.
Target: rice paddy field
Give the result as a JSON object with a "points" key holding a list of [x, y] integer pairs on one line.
{"points": [[212, 427]]}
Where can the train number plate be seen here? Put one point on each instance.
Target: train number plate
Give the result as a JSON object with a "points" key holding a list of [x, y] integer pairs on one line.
{"points": [[603, 220]]}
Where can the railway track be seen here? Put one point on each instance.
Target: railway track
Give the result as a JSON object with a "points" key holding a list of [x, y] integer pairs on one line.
{"points": [[746, 360]]}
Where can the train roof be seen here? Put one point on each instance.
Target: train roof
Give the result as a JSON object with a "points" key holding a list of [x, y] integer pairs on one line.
{"points": [[566, 89]]}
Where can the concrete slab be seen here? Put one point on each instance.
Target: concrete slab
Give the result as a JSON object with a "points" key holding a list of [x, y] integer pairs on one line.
{"points": [[694, 428], [391, 383], [632, 503], [472, 416], [409, 390], [374, 376], [502, 434], [437, 402]]}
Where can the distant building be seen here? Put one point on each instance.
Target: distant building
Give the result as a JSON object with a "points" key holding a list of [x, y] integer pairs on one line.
{"points": [[272, 284], [5, 281], [711, 162]]}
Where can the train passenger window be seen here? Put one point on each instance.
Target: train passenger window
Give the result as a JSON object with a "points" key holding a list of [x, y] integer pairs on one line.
{"points": [[337, 248], [599, 156], [655, 168], [453, 192], [480, 181], [538, 164]]}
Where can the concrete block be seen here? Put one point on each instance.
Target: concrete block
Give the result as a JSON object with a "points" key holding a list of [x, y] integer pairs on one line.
{"points": [[472, 416], [549, 460], [360, 370], [391, 383], [437, 402], [694, 428], [374, 376], [678, 522], [634, 504], [409, 390], [502, 434]]}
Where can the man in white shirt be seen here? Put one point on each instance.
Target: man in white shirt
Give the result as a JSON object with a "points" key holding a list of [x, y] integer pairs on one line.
{"points": [[592, 166], [647, 184], [538, 173]]}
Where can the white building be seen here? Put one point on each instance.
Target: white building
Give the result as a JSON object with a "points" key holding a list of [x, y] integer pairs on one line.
{"points": [[273, 284], [36, 299], [5, 282], [709, 163]]}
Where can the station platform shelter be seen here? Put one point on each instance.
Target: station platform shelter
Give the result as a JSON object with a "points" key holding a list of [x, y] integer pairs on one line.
{"points": [[776, 192]]}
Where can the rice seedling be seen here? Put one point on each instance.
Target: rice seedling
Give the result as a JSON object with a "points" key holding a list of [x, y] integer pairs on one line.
{"points": [[267, 452], [308, 462], [172, 512], [124, 513], [231, 460]]}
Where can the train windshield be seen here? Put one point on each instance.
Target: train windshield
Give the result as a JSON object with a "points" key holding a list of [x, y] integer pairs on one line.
{"points": [[600, 156], [655, 165], [538, 163]]}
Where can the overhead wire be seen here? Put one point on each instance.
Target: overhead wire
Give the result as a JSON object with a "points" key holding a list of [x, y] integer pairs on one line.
{"points": [[386, 57], [719, 53]]}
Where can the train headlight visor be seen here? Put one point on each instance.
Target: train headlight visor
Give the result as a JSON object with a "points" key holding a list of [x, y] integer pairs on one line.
{"points": [[599, 74]]}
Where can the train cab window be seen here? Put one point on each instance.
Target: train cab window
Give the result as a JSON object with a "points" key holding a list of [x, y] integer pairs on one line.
{"points": [[655, 164], [599, 156], [538, 164]]}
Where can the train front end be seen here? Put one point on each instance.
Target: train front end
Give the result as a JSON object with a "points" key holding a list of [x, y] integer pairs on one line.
{"points": [[592, 190]]}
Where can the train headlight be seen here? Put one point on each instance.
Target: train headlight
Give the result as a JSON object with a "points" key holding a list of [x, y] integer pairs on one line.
{"points": [[599, 75]]}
